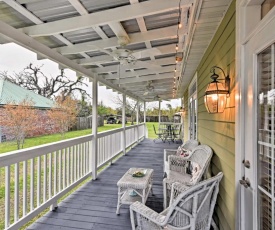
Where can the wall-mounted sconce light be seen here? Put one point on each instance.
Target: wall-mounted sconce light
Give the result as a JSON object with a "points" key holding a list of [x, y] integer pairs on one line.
{"points": [[216, 93]]}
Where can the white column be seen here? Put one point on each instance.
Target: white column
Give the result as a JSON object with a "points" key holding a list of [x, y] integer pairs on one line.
{"points": [[144, 119], [182, 115], [159, 112], [137, 121], [94, 128], [123, 138]]}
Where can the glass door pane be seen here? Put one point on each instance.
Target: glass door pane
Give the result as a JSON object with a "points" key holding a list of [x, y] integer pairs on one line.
{"points": [[266, 144]]}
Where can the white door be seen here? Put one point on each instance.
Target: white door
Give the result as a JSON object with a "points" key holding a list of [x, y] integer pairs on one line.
{"points": [[257, 195]]}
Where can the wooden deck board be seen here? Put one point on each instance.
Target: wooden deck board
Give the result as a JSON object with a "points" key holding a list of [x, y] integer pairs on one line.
{"points": [[93, 206]]}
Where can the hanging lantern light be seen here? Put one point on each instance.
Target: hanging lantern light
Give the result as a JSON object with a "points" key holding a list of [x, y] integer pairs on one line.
{"points": [[216, 93]]}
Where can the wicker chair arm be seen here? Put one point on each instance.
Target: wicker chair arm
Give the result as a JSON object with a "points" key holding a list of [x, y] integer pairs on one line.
{"points": [[178, 188], [169, 152], [143, 210]]}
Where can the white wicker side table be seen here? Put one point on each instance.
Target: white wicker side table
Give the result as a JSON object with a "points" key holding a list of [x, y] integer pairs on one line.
{"points": [[132, 189]]}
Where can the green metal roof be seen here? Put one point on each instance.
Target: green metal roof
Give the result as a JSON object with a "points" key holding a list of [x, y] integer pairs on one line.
{"points": [[10, 92]]}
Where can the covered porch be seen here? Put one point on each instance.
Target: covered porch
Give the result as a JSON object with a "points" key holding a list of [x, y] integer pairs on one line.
{"points": [[93, 206]]}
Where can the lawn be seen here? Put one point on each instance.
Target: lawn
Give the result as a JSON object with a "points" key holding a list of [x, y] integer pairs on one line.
{"points": [[34, 141]]}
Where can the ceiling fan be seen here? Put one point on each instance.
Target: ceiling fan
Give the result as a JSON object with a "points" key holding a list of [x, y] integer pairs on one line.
{"points": [[126, 56], [149, 88]]}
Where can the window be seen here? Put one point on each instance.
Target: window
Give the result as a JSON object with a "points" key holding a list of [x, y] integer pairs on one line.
{"points": [[266, 137]]}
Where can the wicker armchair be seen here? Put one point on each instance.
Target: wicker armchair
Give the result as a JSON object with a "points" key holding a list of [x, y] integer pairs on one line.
{"points": [[178, 169], [191, 208], [188, 145]]}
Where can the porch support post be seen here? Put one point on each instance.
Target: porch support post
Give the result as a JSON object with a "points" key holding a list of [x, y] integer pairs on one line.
{"points": [[94, 129], [182, 115], [137, 121], [144, 119], [159, 112], [123, 137]]}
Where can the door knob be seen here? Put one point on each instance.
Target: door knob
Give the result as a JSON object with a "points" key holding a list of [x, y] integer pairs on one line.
{"points": [[246, 164], [245, 182]]}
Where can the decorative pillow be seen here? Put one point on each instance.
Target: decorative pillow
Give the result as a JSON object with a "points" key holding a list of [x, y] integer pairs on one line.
{"points": [[182, 152], [196, 170]]}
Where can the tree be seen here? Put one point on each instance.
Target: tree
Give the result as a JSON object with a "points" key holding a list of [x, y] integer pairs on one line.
{"points": [[83, 107], [102, 109], [18, 120], [32, 78], [130, 107], [63, 114]]}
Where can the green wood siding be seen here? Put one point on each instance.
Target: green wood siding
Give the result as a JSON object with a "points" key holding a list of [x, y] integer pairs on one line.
{"points": [[218, 130]]}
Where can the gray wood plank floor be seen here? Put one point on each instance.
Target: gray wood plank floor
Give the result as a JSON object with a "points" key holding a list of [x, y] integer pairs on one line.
{"points": [[93, 206]]}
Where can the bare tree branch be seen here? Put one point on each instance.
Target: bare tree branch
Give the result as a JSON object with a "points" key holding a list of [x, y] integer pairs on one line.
{"points": [[32, 78]]}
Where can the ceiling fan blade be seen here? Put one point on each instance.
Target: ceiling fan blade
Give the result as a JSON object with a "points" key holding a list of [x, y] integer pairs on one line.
{"points": [[146, 53]]}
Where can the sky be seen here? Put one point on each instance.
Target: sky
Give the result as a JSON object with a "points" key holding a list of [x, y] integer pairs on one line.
{"points": [[14, 58]]}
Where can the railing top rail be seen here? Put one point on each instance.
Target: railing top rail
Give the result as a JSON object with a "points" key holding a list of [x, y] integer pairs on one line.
{"points": [[109, 132], [29, 153], [133, 126]]}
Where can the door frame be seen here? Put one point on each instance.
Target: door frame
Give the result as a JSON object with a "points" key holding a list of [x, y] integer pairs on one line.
{"points": [[248, 25], [192, 94]]}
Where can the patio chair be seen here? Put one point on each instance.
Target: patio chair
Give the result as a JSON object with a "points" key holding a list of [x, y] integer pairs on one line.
{"points": [[176, 134], [190, 208], [187, 170], [159, 135], [188, 145]]}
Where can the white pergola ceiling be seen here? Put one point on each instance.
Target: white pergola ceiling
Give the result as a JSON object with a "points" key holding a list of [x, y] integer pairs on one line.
{"points": [[81, 34]]}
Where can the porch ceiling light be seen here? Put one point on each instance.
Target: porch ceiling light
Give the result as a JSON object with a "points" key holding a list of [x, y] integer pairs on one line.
{"points": [[216, 93]]}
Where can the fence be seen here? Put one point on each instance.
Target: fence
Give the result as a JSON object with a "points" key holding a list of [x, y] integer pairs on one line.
{"points": [[35, 178]]}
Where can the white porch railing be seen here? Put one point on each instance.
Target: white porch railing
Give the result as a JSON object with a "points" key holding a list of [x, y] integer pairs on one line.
{"points": [[35, 178]]}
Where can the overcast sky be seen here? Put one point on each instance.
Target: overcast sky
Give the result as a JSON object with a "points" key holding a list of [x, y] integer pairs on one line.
{"points": [[14, 58]]}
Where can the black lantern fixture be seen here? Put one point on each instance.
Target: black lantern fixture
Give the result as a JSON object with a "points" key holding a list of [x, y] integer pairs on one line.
{"points": [[216, 93]]}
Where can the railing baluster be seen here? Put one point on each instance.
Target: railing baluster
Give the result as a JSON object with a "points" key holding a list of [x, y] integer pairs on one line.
{"points": [[68, 165], [78, 159], [59, 170], [45, 179], [55, 174], [64, 167], [25, 192], [84, 157], [38, 180], [50, 175], [75, 161], [16, 192], [32, 185], [7, 196], [72, 163], [81, 160]]}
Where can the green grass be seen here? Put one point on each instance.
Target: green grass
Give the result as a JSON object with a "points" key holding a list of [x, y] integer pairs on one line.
{"points": [[151, 133]]}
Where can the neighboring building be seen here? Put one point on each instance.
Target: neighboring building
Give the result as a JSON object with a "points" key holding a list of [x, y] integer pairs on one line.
{"points": [[10, 92]]}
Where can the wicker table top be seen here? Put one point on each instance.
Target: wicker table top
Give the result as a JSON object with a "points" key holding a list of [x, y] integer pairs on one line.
{"points": [[127, 180]]}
